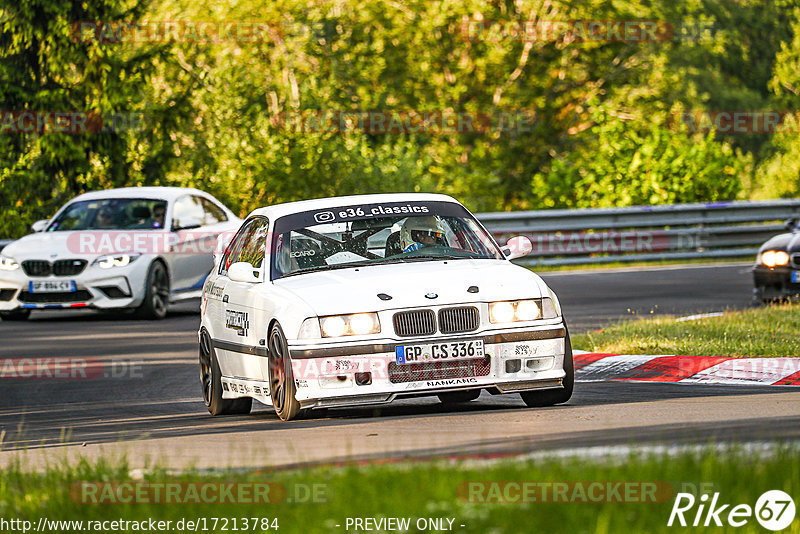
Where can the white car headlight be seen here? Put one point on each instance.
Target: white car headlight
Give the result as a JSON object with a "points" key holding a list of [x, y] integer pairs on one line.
{"points": [[357, 324], [774, 258], [115, 260], [7, 264], [511, 311]]}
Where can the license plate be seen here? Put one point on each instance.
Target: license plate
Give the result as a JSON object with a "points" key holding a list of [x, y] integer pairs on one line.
{"points": [[52, 286], [436, 352], [795, 277]]}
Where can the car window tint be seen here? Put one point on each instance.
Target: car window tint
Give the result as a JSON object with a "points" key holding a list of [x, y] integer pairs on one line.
{"points": [[213, 213], [249, 245], [253, 247], [188, 207], [232, 253], [111, 214]]}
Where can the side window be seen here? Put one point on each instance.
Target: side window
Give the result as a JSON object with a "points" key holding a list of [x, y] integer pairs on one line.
{"points": [[186, 208], [213, 213], [249, 245], [253, 248], [235, 246]]}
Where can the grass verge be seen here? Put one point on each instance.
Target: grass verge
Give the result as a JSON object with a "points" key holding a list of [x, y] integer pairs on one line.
{"points": [[765, 331], [429, 490]]}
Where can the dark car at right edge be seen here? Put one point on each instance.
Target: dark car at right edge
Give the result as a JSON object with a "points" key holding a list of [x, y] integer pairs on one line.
{"points": [[776, 274]]}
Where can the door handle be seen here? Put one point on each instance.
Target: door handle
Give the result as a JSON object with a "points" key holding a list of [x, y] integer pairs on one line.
{"points": [[225, 298]]}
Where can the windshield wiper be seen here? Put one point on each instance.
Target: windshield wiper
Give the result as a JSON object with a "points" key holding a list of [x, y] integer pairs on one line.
{"points": [[329, 267], [435, 257]]}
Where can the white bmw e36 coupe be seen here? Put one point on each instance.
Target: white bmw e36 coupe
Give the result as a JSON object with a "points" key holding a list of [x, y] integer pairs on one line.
{"points": [[366, 299]]}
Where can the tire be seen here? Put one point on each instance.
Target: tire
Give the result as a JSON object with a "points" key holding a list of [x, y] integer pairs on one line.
{"points": [[549, 397], [15, 315], [156, 293], [458, 397], [211, 382], [282, 388]]}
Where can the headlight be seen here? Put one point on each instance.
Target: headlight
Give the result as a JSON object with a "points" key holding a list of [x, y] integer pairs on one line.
{"points": [[115, 260], [511, 311], [357, 324], [774, 258], [7, 264]]}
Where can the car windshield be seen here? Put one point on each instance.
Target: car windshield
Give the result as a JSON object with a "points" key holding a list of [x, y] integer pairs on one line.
{"points": [[372, 234], [111, 214]]}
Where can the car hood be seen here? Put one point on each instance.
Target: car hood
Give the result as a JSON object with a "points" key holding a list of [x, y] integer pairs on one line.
{"points": [[41, 246], [66, 245], [789, 242], [351, 290]]}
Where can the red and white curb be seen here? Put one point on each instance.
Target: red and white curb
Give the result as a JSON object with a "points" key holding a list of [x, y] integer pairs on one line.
{"points": [[595, 367]]}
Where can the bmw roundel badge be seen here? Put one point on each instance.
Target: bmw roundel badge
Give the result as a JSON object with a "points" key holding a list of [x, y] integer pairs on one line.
{"points": [[431, 295]]}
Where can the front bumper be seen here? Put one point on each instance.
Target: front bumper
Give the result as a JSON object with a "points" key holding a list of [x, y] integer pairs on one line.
{"points": [[775, 283], [345, 374], [120, 287]]}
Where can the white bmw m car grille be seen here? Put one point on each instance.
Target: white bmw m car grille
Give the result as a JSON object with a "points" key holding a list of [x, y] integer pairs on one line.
{"points": [[58, 267]]}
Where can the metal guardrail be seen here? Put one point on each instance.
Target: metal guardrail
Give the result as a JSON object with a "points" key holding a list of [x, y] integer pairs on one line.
{"points": [[641, 233], [644, 233]]}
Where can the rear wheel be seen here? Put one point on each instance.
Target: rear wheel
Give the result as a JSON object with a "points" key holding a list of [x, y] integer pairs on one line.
{"points": [[282, 388], [549, 397], [457, 397], [211, 381], [156, 294], [15, 315]]}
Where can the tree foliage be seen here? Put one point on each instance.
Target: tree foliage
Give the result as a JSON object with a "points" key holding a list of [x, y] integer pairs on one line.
{"points": [[571, 122]]}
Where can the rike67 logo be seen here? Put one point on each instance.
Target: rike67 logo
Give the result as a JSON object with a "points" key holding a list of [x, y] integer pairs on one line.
{"points": [[774, 510]]}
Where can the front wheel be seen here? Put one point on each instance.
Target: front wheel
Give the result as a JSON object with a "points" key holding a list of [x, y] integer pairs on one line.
{"points": [[211, 381], [15, 315], [282, 388], [549, 397], [156, 293]]}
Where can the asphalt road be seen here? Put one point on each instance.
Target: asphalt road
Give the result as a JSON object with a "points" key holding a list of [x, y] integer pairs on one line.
{"points": [[592, 298], [142, 394]]}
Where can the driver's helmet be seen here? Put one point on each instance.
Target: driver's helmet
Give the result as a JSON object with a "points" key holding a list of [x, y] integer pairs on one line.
{"points": [[418, 232]]}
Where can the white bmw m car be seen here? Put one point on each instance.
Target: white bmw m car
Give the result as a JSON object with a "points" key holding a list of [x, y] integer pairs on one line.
{"points": [[137, 248], [365, 299]]}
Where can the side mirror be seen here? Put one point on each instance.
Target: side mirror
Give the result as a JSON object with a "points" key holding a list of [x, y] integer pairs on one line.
{"points": [[39, 226], [517, 247], [188, 223], [790, 224], [241, 271]]}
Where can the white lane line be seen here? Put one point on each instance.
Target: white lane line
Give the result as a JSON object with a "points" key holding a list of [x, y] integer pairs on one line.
{"points": [[699, 316], [747, 371]]}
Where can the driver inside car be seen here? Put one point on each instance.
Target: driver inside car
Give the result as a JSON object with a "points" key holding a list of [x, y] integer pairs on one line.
{"points": [[418, 232]]}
